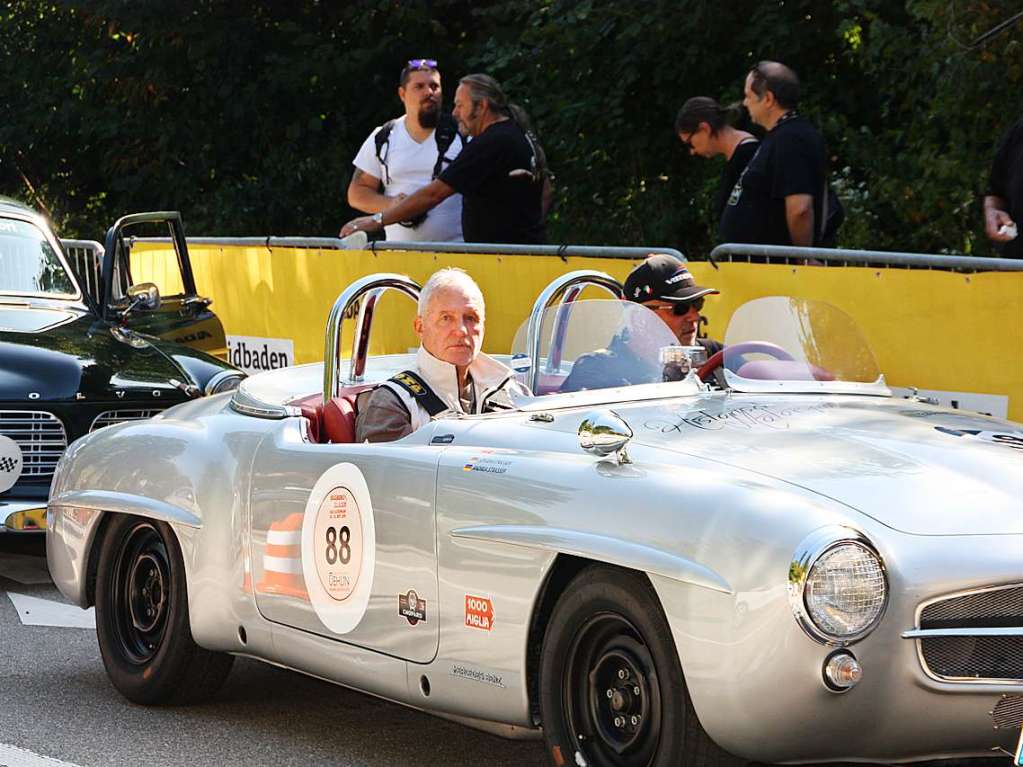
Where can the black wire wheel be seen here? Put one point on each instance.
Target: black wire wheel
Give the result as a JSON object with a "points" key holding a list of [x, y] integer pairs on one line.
{"points": [[142, 617], [611, 686]]}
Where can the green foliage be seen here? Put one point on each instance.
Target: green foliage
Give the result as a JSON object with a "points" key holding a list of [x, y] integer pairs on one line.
{"points": [[245, 115]]}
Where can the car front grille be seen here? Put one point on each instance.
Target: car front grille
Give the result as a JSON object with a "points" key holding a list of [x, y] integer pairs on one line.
{"points": [[41, 437], [110, 417], [975, 636]]}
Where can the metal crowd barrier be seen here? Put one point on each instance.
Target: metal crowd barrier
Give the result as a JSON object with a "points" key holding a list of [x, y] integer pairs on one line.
{"points": [[737, 252], [86, 257]]}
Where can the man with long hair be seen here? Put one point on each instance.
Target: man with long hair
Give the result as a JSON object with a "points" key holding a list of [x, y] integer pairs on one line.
{"points": [[501, 173]]}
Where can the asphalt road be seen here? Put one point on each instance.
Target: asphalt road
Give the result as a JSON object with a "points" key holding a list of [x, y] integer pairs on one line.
{"points": [[56, 704]]}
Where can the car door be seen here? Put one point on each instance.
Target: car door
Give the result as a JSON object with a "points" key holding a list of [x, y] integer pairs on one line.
{"points": [[343, 539], [183, 316]]}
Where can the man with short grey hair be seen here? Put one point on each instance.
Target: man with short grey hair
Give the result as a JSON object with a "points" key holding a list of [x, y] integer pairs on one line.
{"points": [[450, 374]]}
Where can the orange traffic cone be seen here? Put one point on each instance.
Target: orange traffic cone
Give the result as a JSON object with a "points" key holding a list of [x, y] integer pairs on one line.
{"points": [[282, 559]]}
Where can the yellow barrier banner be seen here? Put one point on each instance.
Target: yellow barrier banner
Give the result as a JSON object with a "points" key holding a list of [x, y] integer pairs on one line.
{"points": [[952, 334]]}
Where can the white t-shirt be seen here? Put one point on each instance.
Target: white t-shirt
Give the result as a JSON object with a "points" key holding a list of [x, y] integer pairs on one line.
{"points": [[409, 168]]}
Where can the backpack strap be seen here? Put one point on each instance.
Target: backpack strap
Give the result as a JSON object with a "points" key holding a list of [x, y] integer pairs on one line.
{"points": [[444, 134], [383, 139], [418, 389]]}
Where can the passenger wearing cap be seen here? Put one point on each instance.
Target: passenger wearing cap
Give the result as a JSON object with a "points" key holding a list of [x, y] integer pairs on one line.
{"points": [[664, 285]]}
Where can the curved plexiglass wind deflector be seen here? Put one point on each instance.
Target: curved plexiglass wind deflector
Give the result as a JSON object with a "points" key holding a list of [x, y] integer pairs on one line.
{"points": [[778, 343], [620, 344]]}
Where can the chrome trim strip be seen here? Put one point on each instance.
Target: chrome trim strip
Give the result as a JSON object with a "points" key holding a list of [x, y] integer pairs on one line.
{"points": [[811, 549], [600, 547], [1004, 631], [126, 503]]}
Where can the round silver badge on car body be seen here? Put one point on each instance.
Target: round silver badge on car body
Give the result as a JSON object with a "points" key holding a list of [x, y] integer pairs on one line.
{"points": [[603, 433]]}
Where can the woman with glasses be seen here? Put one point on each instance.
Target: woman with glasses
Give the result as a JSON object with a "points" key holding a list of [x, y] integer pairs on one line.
{"points": [[708, 129]]}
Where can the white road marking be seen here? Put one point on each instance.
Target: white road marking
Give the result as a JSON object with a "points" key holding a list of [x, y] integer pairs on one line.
{"points": [[26, 570], [12, 756], [34, 611]]}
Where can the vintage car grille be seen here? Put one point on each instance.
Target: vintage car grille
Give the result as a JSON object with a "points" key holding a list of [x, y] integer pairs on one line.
{"points": [[992, 650], [1008, 713], [41, 437], [110, 417]]}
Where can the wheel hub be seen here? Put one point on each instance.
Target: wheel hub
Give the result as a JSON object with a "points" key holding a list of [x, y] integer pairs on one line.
{"points": [[146, 593], [619, 695]]}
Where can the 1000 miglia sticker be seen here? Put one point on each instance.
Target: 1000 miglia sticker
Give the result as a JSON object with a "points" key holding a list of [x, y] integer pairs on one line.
{"points": [[339, 547]]}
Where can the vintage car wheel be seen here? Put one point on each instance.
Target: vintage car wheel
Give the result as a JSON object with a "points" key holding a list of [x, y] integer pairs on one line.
{"points": [[142, 618], [611, 687]]}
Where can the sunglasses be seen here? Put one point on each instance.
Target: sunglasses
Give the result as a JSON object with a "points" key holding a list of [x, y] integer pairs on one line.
{"points": [[416, 64], [683, 308], [687, 142]]}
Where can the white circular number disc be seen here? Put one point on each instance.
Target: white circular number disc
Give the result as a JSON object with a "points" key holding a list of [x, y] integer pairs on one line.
{"points": [[339, 547], [11, 463]]}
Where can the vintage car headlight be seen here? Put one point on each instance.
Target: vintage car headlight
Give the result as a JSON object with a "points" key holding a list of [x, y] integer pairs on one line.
{"points": [[838, 586], [225, 380]]}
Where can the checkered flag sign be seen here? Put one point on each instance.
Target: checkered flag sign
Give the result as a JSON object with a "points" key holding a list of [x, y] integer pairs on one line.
{"points": [[10, 463]]}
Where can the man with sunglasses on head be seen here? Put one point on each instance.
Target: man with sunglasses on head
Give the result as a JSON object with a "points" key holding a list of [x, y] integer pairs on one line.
{"points": [[664, 285], [501, 174], [407, 153]]}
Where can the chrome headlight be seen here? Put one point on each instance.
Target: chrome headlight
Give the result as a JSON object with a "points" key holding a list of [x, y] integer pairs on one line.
{"points": [[838, 586], [225, 380]]}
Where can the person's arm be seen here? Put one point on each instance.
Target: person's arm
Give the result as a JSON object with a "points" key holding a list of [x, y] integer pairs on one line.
{"points": [[384, 418], [995, 217], [547, 195], [415, 204], [364, 194], [800, 219]]}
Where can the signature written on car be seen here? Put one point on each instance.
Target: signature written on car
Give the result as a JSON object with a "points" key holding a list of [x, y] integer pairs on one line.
{"points": [[744, 418]]}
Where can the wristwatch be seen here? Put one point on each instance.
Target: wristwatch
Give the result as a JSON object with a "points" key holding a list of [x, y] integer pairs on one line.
{"points": [[378, 218]]}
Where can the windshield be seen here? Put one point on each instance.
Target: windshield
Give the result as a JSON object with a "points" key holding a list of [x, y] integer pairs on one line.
{"points": [[603, 344], [793, 344], [28, 264]]}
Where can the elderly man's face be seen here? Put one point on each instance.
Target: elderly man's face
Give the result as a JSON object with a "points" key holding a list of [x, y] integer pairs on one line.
{"points": [[451, 328], [466, 113]]}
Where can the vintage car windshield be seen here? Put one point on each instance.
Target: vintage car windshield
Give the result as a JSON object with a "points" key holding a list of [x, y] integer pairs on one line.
{"points": [[794, 344], [599, 344], [28, 263]]}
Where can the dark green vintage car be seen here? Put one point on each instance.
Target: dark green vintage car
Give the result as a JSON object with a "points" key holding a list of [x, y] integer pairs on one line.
{"points": [[75, 358]]}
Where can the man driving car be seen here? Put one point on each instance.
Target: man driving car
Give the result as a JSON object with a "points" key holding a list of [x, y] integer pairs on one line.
{"points": [[663, 284], [450, 374]]}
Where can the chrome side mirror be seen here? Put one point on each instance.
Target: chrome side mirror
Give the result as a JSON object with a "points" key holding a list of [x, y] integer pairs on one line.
{"points": [[603, 432], [144, 296]]}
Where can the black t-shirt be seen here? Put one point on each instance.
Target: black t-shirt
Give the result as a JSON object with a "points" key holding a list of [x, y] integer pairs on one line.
{"points": [[1007, 182], [497, 207], [791, 160], [730, 175]]}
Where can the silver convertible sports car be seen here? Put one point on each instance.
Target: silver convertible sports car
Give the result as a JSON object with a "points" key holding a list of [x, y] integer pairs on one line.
{"points": [[763, 555]]}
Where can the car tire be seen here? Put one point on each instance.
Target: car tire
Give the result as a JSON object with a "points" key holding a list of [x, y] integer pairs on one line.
{"points": [[607, 638], [142, 618]]}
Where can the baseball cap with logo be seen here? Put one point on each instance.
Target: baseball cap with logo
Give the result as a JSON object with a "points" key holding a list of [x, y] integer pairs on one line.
{"points": [[664, 278]]}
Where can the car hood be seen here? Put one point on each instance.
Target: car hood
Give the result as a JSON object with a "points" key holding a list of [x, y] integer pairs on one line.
{"points": [[914, 467], [55, 355]]}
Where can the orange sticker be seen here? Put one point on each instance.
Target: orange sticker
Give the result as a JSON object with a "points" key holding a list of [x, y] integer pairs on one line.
{"points": [[479, 612]]}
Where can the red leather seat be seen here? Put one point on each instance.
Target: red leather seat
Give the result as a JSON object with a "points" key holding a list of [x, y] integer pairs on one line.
{"points": [[334, 422]]}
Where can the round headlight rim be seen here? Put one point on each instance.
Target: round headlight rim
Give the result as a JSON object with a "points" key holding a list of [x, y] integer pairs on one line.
{"points": [[809, 551], [213, 385]]}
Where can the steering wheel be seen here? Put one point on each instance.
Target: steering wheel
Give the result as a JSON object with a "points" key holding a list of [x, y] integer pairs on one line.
{"points": [[747, 347]]}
